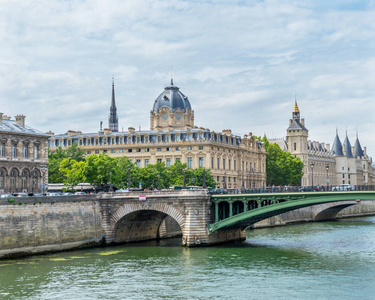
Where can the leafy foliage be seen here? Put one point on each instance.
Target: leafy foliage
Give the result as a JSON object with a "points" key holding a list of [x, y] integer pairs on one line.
{"points": [[282, 167]]}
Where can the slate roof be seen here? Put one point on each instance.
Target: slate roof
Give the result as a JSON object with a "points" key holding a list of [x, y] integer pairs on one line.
{"points": [[337, 146], [10, 126], [348, 147], [358, 152]]}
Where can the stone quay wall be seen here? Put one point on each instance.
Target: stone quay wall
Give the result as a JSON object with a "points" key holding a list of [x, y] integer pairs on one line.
{"points": [[46, 224]]}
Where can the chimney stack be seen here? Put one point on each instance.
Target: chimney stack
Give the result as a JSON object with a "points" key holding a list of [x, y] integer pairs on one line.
{"points": [[20, 120]]}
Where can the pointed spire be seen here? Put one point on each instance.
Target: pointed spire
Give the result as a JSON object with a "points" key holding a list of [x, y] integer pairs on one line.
{"points": [[348, 146], [337, 146], [296, 109], [358, 152], [171, 81], [113, 120]]}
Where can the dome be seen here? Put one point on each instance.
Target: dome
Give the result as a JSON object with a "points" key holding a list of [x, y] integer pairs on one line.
{"points": [[172, 98]]}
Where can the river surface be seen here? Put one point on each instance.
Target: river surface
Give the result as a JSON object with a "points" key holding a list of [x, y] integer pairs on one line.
{"points": [[327, 260]]}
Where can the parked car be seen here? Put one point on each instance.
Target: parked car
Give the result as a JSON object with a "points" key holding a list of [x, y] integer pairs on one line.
{"points": [[38, 195], [53, 194], [6, 196], [20, 195], [343, 187], [67, 194], [309, 188], [121, 191], [79, 193]]}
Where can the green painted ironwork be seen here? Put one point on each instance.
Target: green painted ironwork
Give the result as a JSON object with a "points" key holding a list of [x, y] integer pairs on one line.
{"points": [[257, 207]]}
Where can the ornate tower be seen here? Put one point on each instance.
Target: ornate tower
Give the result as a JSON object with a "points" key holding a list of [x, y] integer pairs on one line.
{"points": [[113, 120], [297, 135]]}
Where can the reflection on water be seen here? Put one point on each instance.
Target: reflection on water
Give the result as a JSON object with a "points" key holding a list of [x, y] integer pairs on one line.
{"points": [[328, 260]]}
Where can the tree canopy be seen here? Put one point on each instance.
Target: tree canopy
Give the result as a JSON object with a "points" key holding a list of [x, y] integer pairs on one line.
{"points": [[71, 167], [282, 167]]}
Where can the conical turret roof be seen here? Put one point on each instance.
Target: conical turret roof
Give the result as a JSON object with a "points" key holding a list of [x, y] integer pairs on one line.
{"points": [[337, 146], [358, 152], [348, 147]]}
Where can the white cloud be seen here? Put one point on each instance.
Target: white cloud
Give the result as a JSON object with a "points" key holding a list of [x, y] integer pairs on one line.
{"points": [[239, 62]]}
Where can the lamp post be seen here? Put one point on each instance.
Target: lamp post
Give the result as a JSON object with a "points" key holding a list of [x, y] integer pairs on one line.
{"points": [[204, 179], [327, 168], [312, 175], [110, 182], [184, 186], [128, 179], [224, 181]]}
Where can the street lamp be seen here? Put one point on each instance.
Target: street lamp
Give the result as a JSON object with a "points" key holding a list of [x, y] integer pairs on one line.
{"points": [[110, 182], [327, 168], [184, 186], [204, 179], [312, 175], [128, 179]]}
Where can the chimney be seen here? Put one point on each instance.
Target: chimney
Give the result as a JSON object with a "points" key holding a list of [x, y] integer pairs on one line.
{"points": [[303, 121], [20, 120], [131, 129], [328, 147], [1, 118], [107, 131]]}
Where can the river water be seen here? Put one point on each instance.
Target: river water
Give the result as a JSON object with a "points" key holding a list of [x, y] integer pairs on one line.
{"points": [[327, 260]]}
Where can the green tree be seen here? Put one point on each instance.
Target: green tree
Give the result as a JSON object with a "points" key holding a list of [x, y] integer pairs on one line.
{"points": [[72, 172], [282, 167]]}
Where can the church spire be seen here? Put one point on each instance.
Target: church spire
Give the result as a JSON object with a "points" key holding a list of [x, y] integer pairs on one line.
{"points": [[113, 120], [296, 113]]}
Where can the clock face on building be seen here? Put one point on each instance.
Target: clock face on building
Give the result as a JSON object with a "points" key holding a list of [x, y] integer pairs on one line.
{"points": [[178, 116], [164, 116]]}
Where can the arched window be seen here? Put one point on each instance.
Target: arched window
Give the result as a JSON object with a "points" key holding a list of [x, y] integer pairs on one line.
{"points": [[13, 179], [1, 179], [24, 179]]}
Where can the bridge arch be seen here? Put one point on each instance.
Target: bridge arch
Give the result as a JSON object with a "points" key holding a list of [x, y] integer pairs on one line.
{"points": [[132, 222]]}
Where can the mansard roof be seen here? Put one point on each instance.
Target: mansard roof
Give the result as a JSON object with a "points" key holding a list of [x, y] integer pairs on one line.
{"points": [[13, 127], [337, 146]]}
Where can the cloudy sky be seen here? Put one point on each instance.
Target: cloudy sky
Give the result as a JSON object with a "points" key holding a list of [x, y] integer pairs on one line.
{"points": [[241, 63]]}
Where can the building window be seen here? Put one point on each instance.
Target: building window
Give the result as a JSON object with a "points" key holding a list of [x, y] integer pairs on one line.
{"points": [[159, 139], [14, 150], [12, 179], [113, 151], [218, 163], [159, 160], [96, 151], [146, 139], [295, 146], [147, 149], [122, 150], [177, 138], [158, 149], [190, 148], [178, 149], [138, 163], [223, 163], [88, 142], [201, 162], [200, 147], [104, 151], [138, 139], [229, 164], [121, 139], [349, 177], [168, 162], [168, 138], [169, 148], [190, 162], [138, 150], [201, 136], [96, 141], [189, 137], [105, 141], [25, 151], [343, 175], [348, 169], [147, 161], [217, 179], [234, 179], [89, 152], [212, 162], [80, 142], [24, 180], [130, 150], [1, 179], [234, 165], [228, 179]]}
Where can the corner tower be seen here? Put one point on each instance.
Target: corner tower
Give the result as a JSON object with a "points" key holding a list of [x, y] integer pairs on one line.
{"points": [[113, 119], [171, 110], [297, 135]]}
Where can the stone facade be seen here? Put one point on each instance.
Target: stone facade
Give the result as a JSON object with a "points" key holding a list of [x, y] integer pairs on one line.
{"points": [[343, 164], [23, 157], [233, 160]]}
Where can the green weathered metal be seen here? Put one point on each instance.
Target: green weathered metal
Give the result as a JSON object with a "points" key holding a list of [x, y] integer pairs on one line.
{"points": [[290, 201]]}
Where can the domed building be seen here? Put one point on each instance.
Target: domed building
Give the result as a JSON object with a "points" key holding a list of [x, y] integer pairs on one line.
{"points": [[171, 110], [234, 161]]}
